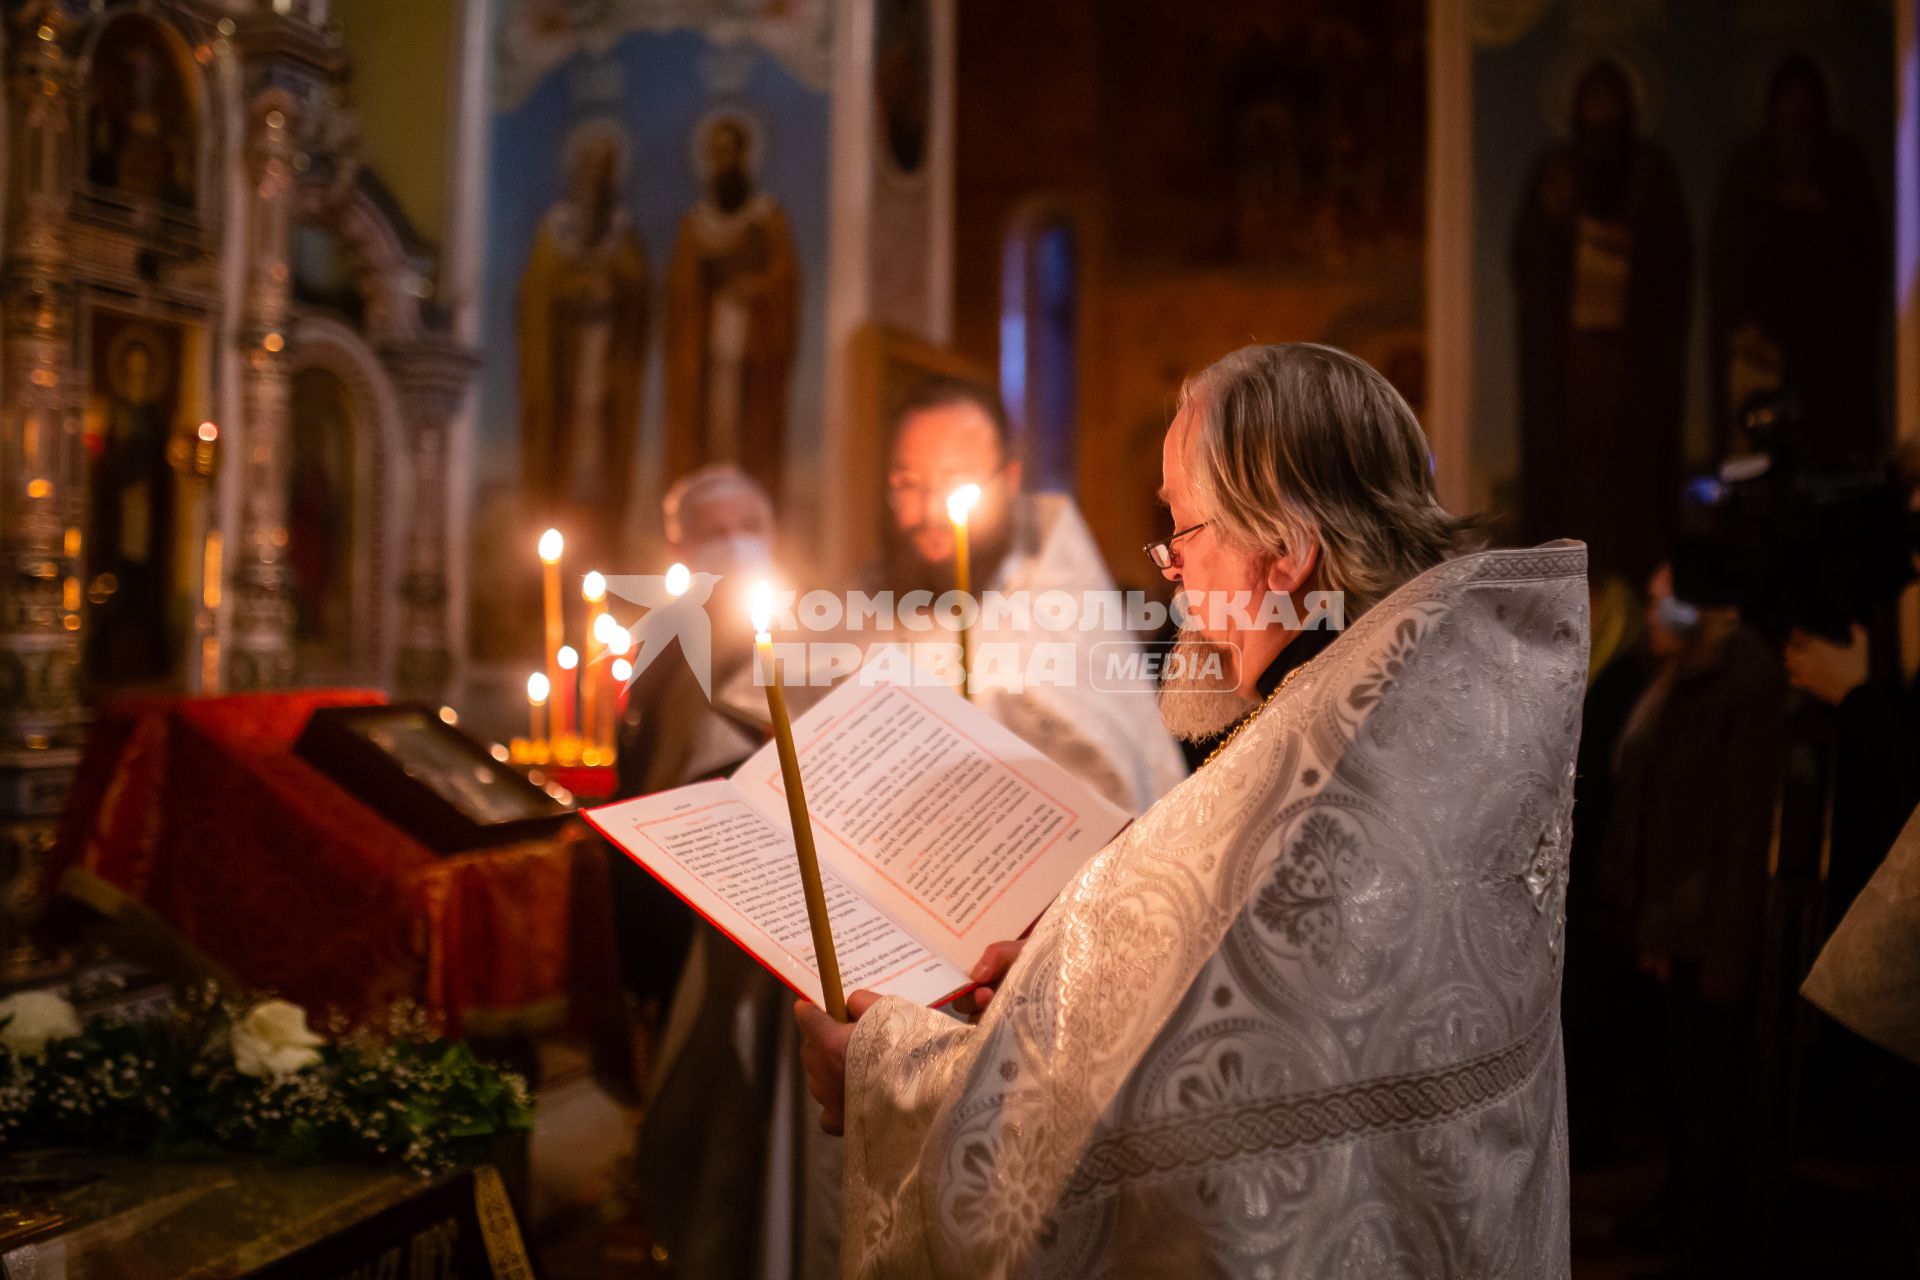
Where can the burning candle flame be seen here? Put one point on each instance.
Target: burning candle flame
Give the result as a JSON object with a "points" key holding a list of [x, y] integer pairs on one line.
{"points": [[760, 607], [551, 545], [593, 587], [622, 670], [568, 657], [538, 688], [679, 578], [961, 501]]}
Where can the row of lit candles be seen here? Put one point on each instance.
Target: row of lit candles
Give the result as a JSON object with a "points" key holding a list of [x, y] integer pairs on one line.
{"points": [[597, 711], [573, 704]]}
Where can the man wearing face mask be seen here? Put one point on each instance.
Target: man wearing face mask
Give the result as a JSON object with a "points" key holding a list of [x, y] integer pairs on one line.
{"points": [[718, 521], [710, 1099], [953, 432]]}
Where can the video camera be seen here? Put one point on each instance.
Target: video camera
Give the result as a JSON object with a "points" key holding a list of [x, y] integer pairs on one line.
{"points": [[1794, 536]]}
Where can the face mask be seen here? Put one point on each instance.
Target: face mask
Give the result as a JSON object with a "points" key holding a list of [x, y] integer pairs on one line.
{"points": [[1676, 615], [736, 553]]}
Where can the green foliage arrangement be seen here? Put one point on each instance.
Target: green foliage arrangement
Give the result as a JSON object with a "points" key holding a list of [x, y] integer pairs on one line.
{"points": [[215, 1072]]}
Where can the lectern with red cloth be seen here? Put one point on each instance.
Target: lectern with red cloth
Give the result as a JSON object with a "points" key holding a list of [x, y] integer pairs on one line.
{"points": [[197, 809]]}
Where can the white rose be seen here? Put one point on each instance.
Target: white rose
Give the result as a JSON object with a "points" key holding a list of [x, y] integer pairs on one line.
{"points": [[273, 1040], [32, 1018]]}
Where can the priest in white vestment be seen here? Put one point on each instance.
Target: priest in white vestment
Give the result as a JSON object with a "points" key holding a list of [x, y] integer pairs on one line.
{"points": [[1301, 1018]]}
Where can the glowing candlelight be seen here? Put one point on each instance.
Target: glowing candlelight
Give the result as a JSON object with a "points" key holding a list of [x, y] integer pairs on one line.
{"points": [[565, 691], [679, 578], [960, 505], [760, 607], [552, 545], [538, 687], [593, 698]]}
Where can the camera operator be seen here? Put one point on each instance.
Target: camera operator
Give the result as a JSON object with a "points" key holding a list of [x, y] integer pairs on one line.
{"points": [[1876, 728]]}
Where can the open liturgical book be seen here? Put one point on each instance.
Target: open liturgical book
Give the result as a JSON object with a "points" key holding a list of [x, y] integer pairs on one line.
{"points": [[938, 832]]}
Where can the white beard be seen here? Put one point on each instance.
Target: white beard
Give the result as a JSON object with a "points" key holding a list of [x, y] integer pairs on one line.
{"points": [[1200, 700]]}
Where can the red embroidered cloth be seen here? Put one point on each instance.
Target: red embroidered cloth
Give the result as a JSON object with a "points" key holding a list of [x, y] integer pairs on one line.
{"points": [[198, 809]]}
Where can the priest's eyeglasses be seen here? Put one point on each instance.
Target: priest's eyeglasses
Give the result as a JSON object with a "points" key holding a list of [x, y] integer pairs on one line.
{"points": [[1162, 553]]}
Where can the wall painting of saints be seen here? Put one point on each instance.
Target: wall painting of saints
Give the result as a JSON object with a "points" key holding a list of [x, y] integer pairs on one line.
{"points": [[131, 524], [732, 309], [582, 337]]}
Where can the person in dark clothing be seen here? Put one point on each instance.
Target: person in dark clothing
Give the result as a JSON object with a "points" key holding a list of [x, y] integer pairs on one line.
{"points": [[1603, 1010], [1877, 750], [1688, 849]]}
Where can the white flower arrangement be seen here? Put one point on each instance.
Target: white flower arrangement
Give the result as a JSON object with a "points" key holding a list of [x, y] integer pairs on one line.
{"points": [[248, 1075], [273, 1040], [30, 1020]]}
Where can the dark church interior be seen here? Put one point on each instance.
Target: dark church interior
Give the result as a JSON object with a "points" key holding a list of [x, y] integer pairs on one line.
{"points": [[408, 410]]}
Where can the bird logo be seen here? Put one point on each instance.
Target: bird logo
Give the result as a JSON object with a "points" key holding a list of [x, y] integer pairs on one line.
{"points": [[671, 617]]}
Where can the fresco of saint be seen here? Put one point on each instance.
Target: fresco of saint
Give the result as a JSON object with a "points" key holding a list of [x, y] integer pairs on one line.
{"points": [[733, 297]]}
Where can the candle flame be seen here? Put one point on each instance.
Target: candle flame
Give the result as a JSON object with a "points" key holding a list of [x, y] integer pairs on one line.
{"points": [[551, 545], [622, 670], [593, 587], [568, 657], [603, 628], [961, 501], [679, 578], [538, 688], [760, 607], [619, 639]]}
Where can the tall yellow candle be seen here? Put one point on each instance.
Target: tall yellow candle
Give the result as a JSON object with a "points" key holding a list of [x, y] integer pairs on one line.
{"points": [[538, 688], [960, 505], [552, 546], [816, 895], [563, 696], [619, 644], [593, 676]]}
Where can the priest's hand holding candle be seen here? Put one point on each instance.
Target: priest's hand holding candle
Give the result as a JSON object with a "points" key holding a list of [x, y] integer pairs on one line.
{"points": [[960, 505], [810, 884]]}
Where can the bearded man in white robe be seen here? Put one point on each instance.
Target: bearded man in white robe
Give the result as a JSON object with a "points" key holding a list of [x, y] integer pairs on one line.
{"points": [[1099, 723], [1301, 1019]]}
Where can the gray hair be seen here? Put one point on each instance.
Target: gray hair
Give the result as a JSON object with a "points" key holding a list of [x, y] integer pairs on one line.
{"points": [[715, 480], [1297, 443]]}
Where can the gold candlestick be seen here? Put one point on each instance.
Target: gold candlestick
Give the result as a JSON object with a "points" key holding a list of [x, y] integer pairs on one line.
{"points": [[960, 504], [823, 953]]}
